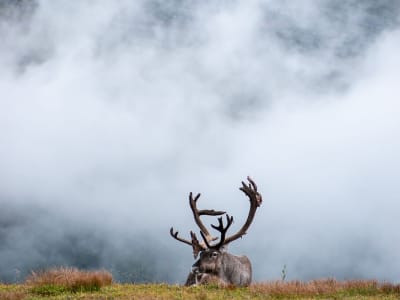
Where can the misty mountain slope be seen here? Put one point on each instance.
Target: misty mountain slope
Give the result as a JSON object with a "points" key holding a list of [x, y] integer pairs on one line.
{"points": [[111, 113]]}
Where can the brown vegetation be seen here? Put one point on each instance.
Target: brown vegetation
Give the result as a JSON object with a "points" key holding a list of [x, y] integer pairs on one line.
{"points": [[72, 283], [12, 295], [55, 285], [325, 287], [68, 279]]}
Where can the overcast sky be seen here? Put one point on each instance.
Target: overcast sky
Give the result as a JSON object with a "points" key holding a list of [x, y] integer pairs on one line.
{"points": [[111, 112]]}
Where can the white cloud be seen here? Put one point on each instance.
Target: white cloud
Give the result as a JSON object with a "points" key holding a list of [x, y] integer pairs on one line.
{"points": [[111, 113]]}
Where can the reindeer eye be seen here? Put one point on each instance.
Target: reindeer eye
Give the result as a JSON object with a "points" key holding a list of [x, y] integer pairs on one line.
{"points": [[214, 254]]}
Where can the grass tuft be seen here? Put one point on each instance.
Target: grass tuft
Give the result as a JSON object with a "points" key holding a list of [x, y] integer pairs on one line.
{"points": [[12, 295], [60, 280]]}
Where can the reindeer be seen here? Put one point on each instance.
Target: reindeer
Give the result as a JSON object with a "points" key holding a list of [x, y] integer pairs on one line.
{"points": [[215, 264]]}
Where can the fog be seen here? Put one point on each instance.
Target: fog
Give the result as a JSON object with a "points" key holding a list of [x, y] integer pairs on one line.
{"points": [[111, 112]]}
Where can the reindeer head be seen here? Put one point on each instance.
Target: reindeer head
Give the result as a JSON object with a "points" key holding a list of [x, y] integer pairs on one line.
{"points": [[210, 254]]}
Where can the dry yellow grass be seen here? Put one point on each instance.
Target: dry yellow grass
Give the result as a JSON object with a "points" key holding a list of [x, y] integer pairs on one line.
{"points": [[325, 287], [70, 283], [12, 295], [319, 289], [69, 279]]}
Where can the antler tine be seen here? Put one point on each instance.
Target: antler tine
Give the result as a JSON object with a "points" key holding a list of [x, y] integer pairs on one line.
{"points": [[197, 247], [252, 183], [251, 191], [175, 236], [255, 201], [222, 230], [197, 213], [203, 235]]}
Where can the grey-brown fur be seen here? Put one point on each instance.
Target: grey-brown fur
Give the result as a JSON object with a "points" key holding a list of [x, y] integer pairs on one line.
{"points": [[228, 268]]}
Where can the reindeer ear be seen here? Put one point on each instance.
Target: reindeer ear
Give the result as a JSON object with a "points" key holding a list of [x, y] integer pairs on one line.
{"points": [[197, 247], [196, 252]]}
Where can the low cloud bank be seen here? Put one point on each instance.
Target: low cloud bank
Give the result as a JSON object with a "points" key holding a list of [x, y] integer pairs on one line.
{"points": [[112, 112]]}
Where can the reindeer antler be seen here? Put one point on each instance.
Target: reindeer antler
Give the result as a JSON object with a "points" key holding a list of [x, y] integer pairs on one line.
{"points": [[255, 198], [175, 236], [196, 245], [221, 229], [255, 201], [197, 213]]}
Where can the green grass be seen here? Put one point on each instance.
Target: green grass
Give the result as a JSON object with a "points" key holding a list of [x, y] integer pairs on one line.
{"points": [[71, 283], [319, 289]]}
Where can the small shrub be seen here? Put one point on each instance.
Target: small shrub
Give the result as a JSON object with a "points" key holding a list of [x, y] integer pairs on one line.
{"points": [[59, 280], [283, 273]]}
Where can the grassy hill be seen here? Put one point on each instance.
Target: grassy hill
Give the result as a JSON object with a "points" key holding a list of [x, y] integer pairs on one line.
{"points": [[321, 289], [70, 283]]}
